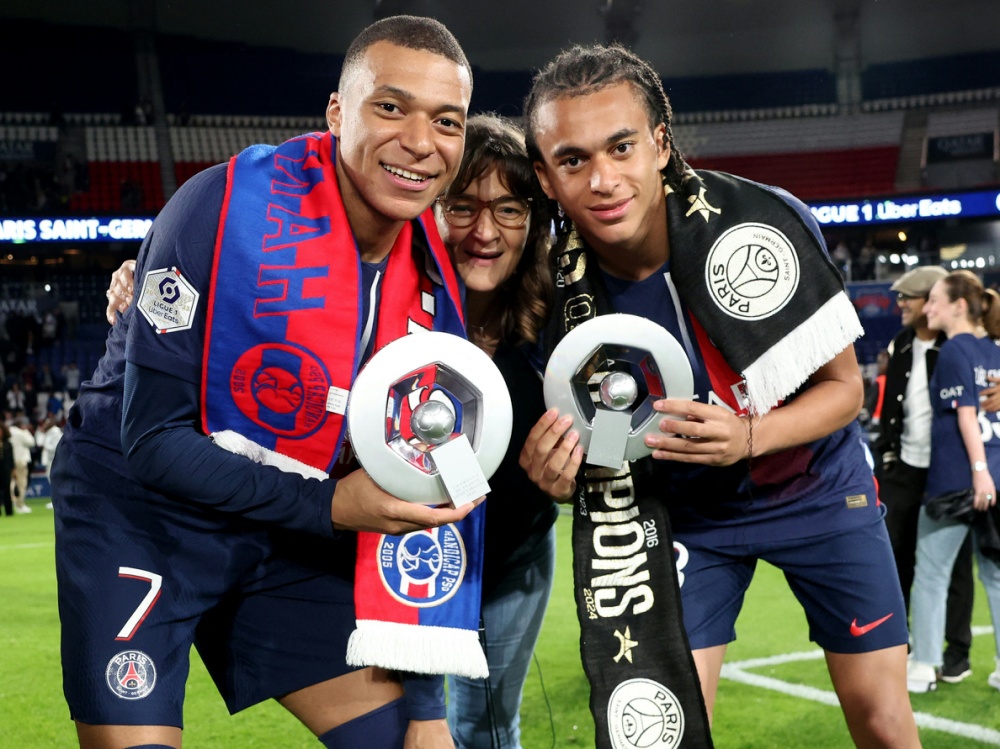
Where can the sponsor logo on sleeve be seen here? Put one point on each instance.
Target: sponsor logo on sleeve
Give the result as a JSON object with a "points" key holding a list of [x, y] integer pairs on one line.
{"points": [[167, 300], [854, 501]]}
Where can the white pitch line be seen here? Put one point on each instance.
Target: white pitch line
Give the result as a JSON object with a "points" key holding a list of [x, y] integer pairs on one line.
{"points": [[12, 547], [735, 671]]}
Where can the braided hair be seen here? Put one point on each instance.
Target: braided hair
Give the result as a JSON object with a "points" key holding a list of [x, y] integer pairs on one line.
{"points": [[581, 70]]}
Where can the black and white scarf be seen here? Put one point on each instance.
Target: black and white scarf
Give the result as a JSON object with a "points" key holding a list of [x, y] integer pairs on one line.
{"points": [[757, 279]]}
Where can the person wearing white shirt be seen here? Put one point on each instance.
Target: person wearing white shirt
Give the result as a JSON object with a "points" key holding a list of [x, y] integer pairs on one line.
{"points": [[903, 455], [21, 441]]}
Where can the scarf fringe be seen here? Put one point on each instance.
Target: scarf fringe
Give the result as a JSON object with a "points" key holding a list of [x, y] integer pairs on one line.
{"points": [[235, 442], [423, 649], [785, 366]]}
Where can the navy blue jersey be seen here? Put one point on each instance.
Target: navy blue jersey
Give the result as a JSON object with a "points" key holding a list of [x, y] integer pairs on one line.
{"points": [[800, 492], [159, 433], [796, 493], [164, 539], [961, 374]]}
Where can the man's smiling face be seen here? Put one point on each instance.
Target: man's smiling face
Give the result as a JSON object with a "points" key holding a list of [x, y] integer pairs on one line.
{"points": [[400, 123]]}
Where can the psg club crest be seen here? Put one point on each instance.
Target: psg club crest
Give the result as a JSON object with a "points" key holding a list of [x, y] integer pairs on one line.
{"points": [[424, 568], [643, 713], [752, 271], [131, 675], [281, 388]]}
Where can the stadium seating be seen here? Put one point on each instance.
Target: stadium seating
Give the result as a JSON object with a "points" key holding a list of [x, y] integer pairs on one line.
{"points": [[124, 173], [816, 175], [780, 127]]}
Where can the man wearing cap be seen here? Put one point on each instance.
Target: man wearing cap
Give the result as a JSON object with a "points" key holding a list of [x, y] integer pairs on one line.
{"points": [[902, 453]]}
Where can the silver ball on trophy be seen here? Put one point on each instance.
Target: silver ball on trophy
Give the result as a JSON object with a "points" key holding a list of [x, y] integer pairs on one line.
{"points": [[432, 422], [634, 362], [430, 419], [618, 391]]}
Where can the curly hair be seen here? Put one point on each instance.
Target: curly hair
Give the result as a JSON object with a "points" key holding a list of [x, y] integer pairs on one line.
{"points": [[492, 141], [581, 70]]}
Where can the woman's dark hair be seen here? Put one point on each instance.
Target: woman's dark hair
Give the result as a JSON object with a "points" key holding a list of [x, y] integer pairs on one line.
{"points": [[492, 141], [983, 303], [581, 70]]}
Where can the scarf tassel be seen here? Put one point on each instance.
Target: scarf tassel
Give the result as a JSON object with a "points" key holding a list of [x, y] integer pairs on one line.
{"points": [[781, 370], [420, 648]]}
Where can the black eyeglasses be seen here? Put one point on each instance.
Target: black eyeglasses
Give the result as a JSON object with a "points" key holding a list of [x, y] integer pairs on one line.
{"points": [[463, 210], [901, 297]]}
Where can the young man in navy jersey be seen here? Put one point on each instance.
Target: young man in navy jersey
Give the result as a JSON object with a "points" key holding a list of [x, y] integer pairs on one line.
{"points": [[163, 538], [738, 274]]}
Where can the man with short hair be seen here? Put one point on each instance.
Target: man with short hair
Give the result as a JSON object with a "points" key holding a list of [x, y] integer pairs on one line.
{"points": [[261, 289], [903, 453]]}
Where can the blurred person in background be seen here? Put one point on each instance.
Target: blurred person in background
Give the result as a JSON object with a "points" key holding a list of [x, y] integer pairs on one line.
{"points": [[965, 458], [902, 452], [6, 470], [22, 441], [875, 390]]}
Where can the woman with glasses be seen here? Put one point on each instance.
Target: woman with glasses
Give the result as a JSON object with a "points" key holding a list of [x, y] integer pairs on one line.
{"points": [[493, 220]]}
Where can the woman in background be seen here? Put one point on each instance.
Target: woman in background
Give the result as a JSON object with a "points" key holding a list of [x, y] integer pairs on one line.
{"points": [[965, 454]]}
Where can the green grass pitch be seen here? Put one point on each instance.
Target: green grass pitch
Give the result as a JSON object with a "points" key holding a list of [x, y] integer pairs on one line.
{"points": [[34, 716]]}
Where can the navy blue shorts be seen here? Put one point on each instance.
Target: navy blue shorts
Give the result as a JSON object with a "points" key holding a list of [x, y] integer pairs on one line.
{"points": [[142, 579], [846, 582]]}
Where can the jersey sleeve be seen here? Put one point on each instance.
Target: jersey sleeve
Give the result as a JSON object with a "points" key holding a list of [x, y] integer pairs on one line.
{"points": [[173, 273], [953, 383], [424, 696], [166, 451]]}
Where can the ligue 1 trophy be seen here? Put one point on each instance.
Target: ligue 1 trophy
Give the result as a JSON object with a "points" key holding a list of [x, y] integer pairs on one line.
{"points": [[430, 418], [606, 373]]}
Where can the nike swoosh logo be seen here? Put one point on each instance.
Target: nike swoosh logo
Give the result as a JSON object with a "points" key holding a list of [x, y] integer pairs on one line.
{"points": [[858, 631]]}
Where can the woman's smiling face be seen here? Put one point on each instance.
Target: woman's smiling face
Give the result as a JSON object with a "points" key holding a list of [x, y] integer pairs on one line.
{"points": [[485, 254]]}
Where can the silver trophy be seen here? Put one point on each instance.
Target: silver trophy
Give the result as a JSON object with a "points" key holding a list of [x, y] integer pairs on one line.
{"points": [[606, 373], [430, 419]]}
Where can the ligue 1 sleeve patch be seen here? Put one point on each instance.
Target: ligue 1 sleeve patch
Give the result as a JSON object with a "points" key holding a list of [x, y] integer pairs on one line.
{"points": [[131, 675], [167, 300]]}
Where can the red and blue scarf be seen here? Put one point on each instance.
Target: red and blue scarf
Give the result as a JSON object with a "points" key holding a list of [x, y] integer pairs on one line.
{"points": [[282, 347]]}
